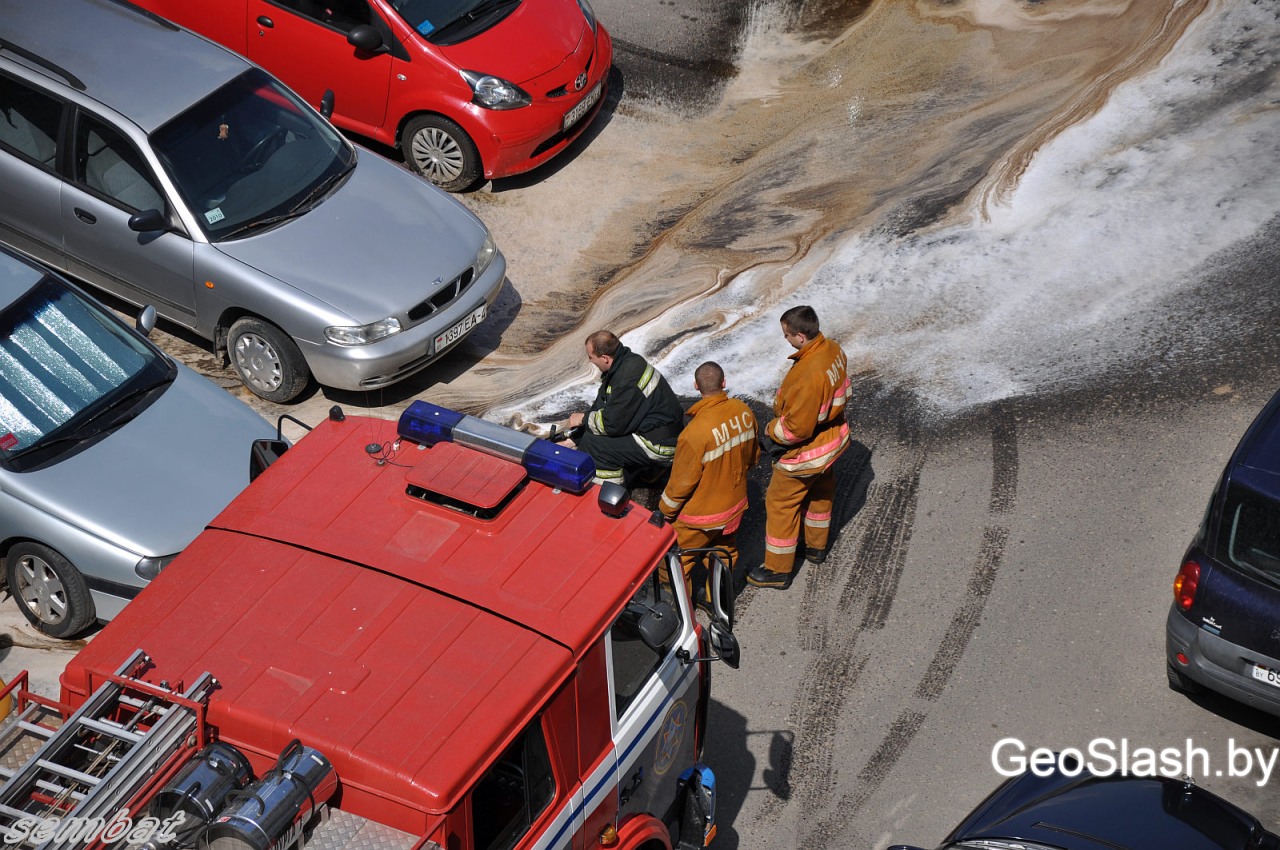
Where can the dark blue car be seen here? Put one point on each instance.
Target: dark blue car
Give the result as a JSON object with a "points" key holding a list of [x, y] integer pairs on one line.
{"points": [[1223, 631], [1087, 812]]}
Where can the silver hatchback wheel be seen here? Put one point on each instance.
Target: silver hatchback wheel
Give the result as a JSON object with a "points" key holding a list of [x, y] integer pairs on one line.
{"points": [[50, 592], [267, 360], [441, 151]]}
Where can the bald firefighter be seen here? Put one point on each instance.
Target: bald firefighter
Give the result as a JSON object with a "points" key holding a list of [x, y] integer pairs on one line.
{"points": [[707, 493], [804, 440], [631, 428]]}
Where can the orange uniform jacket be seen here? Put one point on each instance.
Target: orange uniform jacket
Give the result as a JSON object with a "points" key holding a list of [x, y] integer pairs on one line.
{"points": [[810, 409], [708, 484]]}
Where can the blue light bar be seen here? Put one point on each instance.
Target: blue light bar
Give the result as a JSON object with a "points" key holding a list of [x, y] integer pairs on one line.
{"points": [[559, 466], [428, 424], [545, 462]]}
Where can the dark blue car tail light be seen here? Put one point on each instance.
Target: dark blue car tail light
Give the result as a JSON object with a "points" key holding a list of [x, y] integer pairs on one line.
{"points": [[1184, 586]]}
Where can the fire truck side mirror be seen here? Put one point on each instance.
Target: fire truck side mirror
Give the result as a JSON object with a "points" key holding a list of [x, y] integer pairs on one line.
{"points": [[721, 587], [658, 625], [723, 644], [263, 453], [613, 499]]}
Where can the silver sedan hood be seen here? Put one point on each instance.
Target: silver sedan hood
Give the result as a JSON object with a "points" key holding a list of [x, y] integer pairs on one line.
{"points": [[419, 244], [152, 485]]}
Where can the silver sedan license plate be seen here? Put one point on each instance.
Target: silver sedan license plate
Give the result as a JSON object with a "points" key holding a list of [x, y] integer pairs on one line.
{"points": [[461, 329], [573, 116]]}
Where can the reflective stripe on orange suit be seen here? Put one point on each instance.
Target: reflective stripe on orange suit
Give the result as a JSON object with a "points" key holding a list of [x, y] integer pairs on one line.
{"points": [[809, 417], [707, 490]]}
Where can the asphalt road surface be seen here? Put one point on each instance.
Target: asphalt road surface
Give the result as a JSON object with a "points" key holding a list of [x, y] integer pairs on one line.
{"points": [[1007, 578]]}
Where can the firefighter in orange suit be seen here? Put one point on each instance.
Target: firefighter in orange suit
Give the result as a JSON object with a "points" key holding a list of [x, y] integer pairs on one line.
{"points": [[707, 493], [804, 439]]}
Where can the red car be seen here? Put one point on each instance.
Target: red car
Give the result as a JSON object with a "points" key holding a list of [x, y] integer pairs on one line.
{"points": [[463, 87]]}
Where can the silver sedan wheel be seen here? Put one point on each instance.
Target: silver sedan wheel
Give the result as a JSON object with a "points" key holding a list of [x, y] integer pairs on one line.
{"points": [[40, 590], [49, 590], [267, 360], [258, 363], [437, 155]]}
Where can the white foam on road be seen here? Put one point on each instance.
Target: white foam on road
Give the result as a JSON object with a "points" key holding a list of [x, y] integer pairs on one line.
{"points": [[1113, 215]]}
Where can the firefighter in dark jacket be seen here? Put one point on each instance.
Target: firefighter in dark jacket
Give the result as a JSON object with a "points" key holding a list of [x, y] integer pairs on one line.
{"points": [[631, 429]]}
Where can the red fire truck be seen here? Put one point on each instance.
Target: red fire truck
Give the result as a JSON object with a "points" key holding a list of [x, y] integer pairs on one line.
{"points": [[435, 635]]}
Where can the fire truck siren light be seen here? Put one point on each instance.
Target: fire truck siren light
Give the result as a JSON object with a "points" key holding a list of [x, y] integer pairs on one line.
{"points": [[545, 462]]}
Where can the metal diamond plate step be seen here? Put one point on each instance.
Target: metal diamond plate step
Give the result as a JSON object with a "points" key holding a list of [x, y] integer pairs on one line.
{"points": [[344, 831]]}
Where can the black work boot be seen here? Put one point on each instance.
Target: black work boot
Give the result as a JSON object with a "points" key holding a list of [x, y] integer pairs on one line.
{"points": [[815, 556], [762, 577]]}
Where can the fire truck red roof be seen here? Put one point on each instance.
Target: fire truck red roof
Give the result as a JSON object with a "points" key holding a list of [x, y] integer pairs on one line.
{"points": [[398, 636]]}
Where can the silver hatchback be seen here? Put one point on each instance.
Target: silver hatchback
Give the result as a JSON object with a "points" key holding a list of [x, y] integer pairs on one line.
{"points": [[113, 457], [156, 165]]}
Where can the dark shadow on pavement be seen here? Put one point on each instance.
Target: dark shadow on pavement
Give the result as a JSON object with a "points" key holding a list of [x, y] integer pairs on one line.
{"points": [[1238, 713], [854, 475], [727, 755]]}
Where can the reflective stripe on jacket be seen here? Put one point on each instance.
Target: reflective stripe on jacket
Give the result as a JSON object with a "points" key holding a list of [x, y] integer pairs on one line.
{"points": [[716, 450], [809, 408], [634, 398]]}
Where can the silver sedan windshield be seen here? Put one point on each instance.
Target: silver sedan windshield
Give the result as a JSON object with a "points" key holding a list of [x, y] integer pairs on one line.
{"points": [[63, 362], [250, 156]]}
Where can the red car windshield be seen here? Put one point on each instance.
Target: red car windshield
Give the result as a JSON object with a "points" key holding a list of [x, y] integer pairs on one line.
{"points": [[450, 21]]}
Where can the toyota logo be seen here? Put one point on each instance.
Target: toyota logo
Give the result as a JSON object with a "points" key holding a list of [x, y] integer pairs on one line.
{"points": [[580, 81]]}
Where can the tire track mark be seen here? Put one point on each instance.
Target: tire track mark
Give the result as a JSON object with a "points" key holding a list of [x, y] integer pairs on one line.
{"points": [[884, 582], [806, 766], [959, 632], [995, 538], [811, 625], [941, 667], [1004, 464], [877, 768], [823, 626], [884, 513], [965, 621]]}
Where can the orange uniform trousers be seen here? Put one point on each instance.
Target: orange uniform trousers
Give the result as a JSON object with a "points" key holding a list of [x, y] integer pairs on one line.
{"points": [[688, 537], [787, 500]]}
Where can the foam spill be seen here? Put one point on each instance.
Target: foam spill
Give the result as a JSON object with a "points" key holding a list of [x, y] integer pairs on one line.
{"points": [[1042, 284]]}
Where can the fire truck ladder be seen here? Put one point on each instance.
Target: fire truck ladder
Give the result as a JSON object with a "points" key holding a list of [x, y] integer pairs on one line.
{"points": [[120, 744]]}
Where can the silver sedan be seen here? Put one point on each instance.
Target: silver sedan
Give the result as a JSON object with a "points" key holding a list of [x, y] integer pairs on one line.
{"points": [[216, 194], [113, 457]]}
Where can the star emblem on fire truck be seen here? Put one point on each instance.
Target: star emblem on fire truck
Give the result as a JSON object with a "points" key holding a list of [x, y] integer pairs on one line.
{"points": [[669, 737]]}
